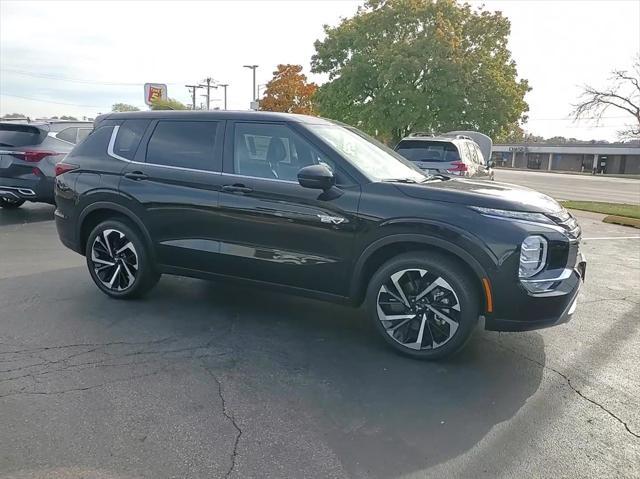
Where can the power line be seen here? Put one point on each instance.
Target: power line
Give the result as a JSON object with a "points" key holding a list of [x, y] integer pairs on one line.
{"points": [[51, 101], [49, 76]]}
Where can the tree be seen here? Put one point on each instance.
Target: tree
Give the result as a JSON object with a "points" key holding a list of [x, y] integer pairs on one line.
{"points": [[124, 107], [419, 65], [13, 115], [622, 94], [68, 117], [168, 104], [289, 92]]}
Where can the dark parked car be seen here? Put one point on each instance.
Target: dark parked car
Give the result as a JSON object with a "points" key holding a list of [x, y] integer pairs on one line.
{"points": [[313, 207], [451, 154], [29, 152]]}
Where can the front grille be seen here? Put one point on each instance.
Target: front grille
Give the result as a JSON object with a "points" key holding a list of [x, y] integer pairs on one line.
{"points": [[567, 221]]}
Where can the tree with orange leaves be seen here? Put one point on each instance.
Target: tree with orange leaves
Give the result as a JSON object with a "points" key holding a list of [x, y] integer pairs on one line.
{"points": [[289, 92]]}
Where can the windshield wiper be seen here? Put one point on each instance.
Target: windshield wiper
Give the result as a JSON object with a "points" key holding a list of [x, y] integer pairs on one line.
{"points": [[401, 180]]}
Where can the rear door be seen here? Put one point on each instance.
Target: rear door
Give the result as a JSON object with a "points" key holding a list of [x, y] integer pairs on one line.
{"points": [[175, 180]]}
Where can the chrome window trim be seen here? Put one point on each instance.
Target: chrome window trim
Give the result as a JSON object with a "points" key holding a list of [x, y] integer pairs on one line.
{"points": [[261, 178], [113, 154]]}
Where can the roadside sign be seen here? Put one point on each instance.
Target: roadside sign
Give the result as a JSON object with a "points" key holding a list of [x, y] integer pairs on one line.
{"points": [[154, 91]]}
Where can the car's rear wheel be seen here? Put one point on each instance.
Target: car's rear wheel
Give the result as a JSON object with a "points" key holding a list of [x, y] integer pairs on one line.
{"points": [[9, 204], [119, 261], [425, 306]]}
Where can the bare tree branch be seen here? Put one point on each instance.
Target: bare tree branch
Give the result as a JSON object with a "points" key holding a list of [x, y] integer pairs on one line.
{"points": [[623, 94]]}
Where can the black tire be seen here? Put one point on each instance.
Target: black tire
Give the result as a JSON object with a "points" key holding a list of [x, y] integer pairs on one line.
{"points": [[407, 269], [145, 275], [10, 204]]}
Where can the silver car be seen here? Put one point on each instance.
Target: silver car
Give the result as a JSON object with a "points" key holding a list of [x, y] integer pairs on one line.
{"points": [[29, 152], [451, 154]]}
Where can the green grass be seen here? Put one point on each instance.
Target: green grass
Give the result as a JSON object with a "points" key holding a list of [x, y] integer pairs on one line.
{"points": [[618, 209]]}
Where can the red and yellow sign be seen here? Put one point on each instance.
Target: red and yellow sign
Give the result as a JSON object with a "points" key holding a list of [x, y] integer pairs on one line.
{"points": [[154, 91]]}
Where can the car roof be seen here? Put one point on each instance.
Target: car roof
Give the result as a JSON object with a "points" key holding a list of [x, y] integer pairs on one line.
{"points": [[216, 114]]}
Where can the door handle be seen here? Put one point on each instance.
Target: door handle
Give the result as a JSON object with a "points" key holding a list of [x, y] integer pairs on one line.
{"points": [[237, 188], [136, 175]]}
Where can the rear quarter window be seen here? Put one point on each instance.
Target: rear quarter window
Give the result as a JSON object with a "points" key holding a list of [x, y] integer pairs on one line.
{"points": [[129, 136], [95, 144]]}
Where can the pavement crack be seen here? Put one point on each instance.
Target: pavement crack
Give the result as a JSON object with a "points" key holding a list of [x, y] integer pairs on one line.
{"points": [[232, 420], [567, 380]]}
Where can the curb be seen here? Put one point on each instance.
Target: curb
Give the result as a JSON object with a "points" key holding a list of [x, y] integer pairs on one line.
{"points": [[622, 220]]}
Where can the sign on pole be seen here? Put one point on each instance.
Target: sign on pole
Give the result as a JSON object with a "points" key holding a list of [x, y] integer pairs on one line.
{"points": [[154, 91]]}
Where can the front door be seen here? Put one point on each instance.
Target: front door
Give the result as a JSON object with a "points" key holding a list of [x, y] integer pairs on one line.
{"points": [[280, 232], [175, 182]]}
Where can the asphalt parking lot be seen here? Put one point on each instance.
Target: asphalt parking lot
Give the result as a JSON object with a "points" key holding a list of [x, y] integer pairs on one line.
{"points": [[201, 380]]}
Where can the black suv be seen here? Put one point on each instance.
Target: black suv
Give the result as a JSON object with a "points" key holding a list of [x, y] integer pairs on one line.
{"points": [[321, 209]]}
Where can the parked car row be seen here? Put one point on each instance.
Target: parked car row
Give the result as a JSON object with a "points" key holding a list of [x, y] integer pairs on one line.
{"points": [[320, 209], [29, 152]]}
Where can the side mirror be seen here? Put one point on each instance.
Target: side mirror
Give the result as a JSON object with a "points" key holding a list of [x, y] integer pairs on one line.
{"points": [[318, 177]]}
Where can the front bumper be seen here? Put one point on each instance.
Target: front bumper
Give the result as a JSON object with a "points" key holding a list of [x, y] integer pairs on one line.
{"points": [[543, 311]]}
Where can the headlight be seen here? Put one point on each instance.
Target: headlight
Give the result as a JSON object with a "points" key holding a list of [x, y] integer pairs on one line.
{"points": [[533, 256], [515, 215]]}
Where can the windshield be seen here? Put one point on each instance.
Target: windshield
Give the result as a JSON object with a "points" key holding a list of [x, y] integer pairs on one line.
{"points": [[372, 158]]}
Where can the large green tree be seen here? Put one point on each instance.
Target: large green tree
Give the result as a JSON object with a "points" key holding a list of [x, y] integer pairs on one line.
{"points": [[124, 107], [419, 65]]}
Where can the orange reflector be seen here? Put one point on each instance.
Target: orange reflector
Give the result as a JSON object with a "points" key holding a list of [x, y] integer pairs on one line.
{"points": [[487, 293]]}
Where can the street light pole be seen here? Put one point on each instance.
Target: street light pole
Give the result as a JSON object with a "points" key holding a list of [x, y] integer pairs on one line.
{"points": [[253, 92], [225, 85]]}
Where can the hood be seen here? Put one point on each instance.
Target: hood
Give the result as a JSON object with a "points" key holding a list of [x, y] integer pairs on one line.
{"points": [[488, 194]]}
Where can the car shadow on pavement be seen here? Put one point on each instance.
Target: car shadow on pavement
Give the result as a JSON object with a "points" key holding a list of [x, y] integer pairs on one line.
{"points": [[313, 370], [27, 213]]}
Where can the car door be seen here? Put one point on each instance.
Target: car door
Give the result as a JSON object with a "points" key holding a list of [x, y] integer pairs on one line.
{"points": [[278, 231], [174, 181]]}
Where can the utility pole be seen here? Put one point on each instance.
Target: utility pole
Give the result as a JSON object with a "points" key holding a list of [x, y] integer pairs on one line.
{"points": [[192, 90], [225, 85], [208, 86], [253, 92]]}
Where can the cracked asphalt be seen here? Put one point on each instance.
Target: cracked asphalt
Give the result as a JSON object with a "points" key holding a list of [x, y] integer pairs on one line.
{"points": [[205, 380]]}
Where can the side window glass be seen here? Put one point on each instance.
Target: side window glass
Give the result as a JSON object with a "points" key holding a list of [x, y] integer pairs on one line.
{"points": [[68, 134], [128, 138], [274, 152], [83, 133], [185, 144]]}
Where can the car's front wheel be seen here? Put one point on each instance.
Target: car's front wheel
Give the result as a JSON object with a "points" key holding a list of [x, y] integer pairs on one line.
{"points": [[10, 204], [119, 261], [423, 305]]}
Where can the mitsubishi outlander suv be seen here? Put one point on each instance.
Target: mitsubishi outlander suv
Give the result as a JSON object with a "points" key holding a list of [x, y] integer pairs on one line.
{"points": [[320, 209]]}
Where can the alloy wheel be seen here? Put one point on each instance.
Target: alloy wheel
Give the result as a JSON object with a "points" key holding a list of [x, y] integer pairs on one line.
{"points": [[418, 309], [114, 260]]}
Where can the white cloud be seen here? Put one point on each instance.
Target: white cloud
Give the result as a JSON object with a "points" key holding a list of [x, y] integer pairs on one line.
{"points": [[557, 46]]}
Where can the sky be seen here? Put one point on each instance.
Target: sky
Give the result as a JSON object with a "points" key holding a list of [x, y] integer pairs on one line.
{"points": [[79, 57]]}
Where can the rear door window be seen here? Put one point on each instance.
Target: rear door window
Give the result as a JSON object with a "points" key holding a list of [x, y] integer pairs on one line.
{"points": [[128, 138], [183, 144], [428, 151]]}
